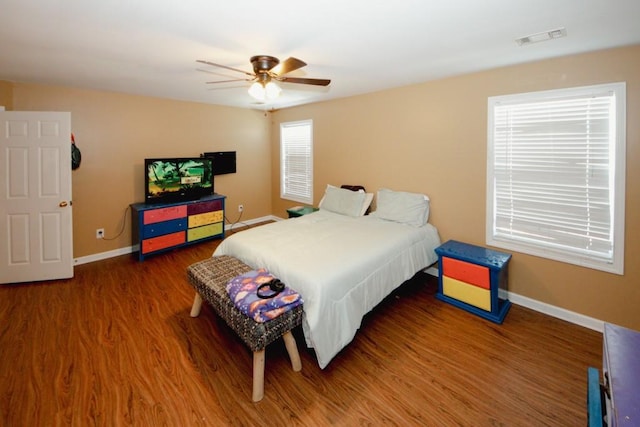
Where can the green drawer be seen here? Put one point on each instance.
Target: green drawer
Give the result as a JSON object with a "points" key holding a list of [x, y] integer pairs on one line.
{"points": [[204, 232]]}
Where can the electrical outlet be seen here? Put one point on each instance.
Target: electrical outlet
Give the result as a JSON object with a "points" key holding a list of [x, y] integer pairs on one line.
{"points": [[100, 233], [240, 208]]}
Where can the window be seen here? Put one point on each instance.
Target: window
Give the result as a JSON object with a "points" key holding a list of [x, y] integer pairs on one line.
{"points": [[296, 161], [555, 175]]}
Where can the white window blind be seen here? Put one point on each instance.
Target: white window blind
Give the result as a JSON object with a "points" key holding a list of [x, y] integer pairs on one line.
{"points": [[556, 174], [296, 161]]}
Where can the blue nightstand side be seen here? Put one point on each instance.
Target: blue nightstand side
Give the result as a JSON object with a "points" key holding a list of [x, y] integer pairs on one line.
{"points": [[471, 277]]}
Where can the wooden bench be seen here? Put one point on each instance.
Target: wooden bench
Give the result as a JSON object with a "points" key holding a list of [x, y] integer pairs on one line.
{"points": [[209, 278]]}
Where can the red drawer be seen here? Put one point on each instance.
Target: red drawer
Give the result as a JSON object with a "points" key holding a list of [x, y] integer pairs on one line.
{"points": [[466, 272], [162, 242], [202, 207], [164, 214]]}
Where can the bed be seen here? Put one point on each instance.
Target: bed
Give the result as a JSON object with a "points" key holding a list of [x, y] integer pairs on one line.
{"points": [[342, 263]]}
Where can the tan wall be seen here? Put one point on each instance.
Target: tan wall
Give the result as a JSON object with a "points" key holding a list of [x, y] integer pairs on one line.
{"points": [[6, 95], [432, 138], [116, 132]]}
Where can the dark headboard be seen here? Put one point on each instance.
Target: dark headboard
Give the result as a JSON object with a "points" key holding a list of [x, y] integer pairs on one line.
{"points": [[353, 187]]}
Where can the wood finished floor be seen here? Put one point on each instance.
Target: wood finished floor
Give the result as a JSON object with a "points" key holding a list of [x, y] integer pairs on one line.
{"points": [[115, 346]]}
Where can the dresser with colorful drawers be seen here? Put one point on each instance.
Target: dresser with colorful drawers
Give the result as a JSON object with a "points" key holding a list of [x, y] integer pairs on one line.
{"points": [[160, 227], [474, 278]]}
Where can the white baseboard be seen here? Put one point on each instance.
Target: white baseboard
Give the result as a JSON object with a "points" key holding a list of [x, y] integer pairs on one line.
{"points": [[104, 255], [254, 221], [557, 312], [130, 249], [432, 271]]}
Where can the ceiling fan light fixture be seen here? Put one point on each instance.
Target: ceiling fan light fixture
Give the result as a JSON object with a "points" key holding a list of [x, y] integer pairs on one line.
{"points": [[272, 90], [263, 92], [257, 91], [266, 71]]}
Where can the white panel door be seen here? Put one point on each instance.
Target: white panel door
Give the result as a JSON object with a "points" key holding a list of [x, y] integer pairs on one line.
{"points": [[36, 237]]}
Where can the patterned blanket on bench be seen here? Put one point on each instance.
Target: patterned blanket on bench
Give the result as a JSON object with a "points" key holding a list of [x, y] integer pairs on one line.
{"points": [[243, 291]]}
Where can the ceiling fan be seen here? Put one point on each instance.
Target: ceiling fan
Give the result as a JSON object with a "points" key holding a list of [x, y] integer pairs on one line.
{"points": [[266, 71]]}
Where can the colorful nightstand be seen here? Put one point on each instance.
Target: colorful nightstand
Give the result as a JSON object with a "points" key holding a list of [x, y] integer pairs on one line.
{"points": [[297, 211], [473, 278]]}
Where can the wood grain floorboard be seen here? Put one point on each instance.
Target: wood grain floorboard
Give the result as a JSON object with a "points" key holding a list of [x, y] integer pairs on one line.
{"points": [[115, 346]]}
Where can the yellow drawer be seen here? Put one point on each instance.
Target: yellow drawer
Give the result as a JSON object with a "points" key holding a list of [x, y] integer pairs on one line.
{"points": [[205, 218], [203, 232], [465, 292]]}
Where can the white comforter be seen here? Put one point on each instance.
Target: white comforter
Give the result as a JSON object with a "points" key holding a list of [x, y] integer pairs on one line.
{"points": [[342, 267]]}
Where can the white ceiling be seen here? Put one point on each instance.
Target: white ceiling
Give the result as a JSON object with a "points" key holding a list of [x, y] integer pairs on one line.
{"points": [[150, 47]]}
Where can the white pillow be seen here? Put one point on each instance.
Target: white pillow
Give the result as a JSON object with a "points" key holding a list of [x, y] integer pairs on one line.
{"points": [[367, 202], [403, 207], [343, 201]]}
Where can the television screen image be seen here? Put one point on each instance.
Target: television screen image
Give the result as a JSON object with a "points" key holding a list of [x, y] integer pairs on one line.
{"points": [[177, 179]]}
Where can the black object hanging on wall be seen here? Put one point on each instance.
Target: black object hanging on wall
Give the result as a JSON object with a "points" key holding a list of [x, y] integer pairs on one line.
{"points": [[76, 156], [223, 161]]}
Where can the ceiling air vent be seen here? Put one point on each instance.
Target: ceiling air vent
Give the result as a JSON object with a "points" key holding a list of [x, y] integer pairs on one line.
{"points": [[543, 36]]}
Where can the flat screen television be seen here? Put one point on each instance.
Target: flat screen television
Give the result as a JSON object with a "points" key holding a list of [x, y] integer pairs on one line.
{"points": [[177, 179], [223, 161]]}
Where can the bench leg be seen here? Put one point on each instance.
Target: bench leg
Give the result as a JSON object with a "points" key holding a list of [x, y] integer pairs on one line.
{"points": [[258, 375], [292, 349], [197, 305]]}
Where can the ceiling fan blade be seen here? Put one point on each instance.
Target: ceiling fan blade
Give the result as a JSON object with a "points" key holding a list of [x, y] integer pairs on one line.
{"points": [[287, 66], [305, 81], [224, 66], [229, 81]]}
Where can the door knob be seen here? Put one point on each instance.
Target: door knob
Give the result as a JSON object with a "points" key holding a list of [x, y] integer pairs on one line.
{"points": [[63, 204]]}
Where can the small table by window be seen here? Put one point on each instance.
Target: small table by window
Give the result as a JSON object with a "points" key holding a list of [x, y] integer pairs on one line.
{"points": [[297, 211], [474, 278]]}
